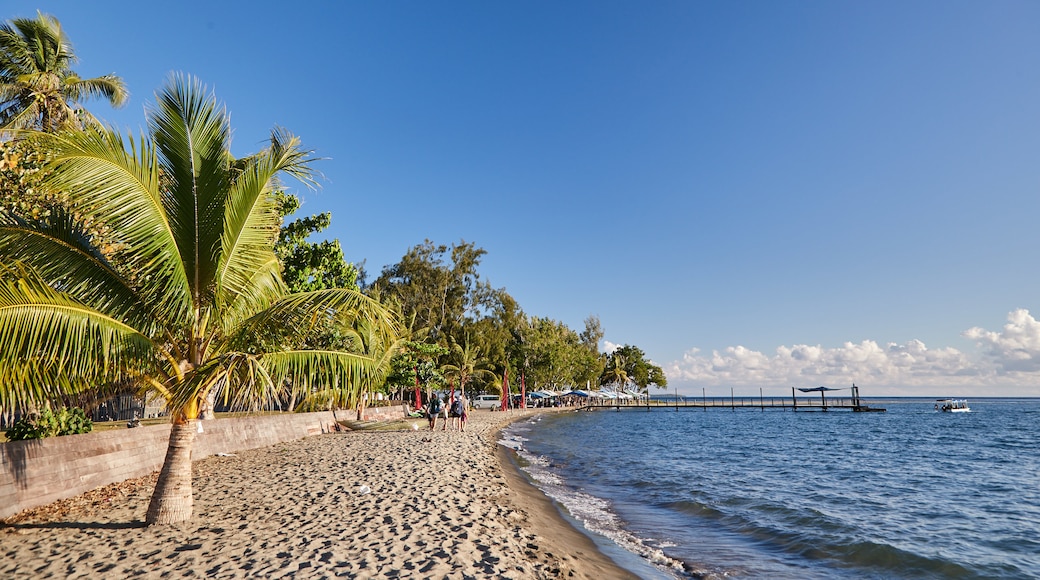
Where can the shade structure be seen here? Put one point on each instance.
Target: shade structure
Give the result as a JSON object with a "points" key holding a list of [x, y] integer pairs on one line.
{"points": [[817, 389]]}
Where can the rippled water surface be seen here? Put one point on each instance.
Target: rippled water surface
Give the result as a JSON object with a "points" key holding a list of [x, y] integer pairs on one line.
{"points": [[910, 493]]}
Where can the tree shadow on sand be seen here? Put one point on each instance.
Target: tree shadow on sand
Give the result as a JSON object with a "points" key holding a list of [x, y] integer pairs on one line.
{"points": [[73, 525]]}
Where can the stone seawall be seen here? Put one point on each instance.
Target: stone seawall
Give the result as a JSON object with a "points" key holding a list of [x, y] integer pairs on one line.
{"points": [[39, 472], [389, 413]]}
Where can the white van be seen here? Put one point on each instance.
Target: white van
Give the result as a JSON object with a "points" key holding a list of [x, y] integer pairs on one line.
{"points": [[487, 401]]}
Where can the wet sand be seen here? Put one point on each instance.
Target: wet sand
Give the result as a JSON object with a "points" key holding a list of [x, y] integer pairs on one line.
{"points": [[361, 504]]}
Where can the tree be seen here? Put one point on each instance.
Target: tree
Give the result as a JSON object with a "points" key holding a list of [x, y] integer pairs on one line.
{"points": [[615, 372], [308, 266], [415, 363], [38, 88], [592, 334], [630, 361], [439, 296], [465, 363], [190, 300]]}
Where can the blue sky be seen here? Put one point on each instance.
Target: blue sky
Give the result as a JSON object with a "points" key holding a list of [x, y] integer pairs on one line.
{"points": [[757, 194]]}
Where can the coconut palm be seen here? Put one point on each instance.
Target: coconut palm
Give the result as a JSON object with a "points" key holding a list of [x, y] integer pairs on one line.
{"points": [[38, 88], [186, 296], [465, 363], [615, 373]]}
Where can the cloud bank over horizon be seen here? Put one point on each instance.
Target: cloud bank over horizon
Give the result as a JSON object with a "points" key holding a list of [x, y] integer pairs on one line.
{"points": [[1005, 363]]}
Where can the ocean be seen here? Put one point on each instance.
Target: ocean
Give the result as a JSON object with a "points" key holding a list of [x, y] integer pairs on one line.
{"points": [[910, 493]]}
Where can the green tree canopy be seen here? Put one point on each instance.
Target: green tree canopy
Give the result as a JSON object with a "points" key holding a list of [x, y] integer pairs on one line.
{"points": [[439, 296], [552, 355], [629, 364], [306, 265]]}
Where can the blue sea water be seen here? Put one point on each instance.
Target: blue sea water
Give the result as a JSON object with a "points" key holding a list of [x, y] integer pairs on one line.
{"points": [[910, 493]]}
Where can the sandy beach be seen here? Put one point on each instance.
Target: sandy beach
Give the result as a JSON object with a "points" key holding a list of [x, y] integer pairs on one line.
{"points": [[359, 504]]}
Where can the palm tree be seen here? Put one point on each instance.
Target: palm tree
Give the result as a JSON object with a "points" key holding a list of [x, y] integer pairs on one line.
{"points": [[615, 372], [187, 296], [465, 363], [38, 88]]}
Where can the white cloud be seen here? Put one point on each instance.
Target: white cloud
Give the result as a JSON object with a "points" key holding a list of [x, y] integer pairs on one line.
{"points": [[609, 347], [1006, 363], [1016, 349]]}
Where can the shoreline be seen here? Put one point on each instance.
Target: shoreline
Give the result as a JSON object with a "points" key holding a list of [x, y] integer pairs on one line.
{"points": [[545, 518], [360, 504]]}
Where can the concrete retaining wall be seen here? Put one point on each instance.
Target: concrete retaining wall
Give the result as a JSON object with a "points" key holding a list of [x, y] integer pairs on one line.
{"points": [[39, 472], [392, 413]]}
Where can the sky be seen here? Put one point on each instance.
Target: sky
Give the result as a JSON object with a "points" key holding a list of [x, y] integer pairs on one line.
{"points": [[758, 194]]}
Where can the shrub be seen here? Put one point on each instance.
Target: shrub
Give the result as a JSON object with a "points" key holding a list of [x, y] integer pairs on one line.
{"points": [[46, 423]]}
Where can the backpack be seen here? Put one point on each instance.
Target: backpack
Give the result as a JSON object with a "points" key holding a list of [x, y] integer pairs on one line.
{"points": [[457, 407], [435, 405]]}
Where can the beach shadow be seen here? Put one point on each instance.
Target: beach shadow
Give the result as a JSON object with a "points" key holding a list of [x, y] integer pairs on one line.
{"points": [[74, 526]]}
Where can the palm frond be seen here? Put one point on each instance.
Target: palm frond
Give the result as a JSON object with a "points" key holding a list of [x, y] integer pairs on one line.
{"points": [[51, 332], [108, 87], [63, 254], [119, 184], [310, 372], [192, 136], [300, 312], [26, 384], [251, 227]]}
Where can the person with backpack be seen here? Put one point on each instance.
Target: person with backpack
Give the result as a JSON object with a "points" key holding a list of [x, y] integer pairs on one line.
{"points": [[433, 410], [455, 414], [464, 415]]}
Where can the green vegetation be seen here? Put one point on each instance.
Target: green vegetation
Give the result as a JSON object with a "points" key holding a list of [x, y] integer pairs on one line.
{"points": [[47, 423], [190, 302], [162, 265], [38, 88]]}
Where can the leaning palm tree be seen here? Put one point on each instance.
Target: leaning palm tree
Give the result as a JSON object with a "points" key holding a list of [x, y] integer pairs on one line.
{"points": [[38, 88], [615, 373], [186, 296]]}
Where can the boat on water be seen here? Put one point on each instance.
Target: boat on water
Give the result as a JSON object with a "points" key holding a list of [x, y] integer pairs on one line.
{"points": [[952, 406]]}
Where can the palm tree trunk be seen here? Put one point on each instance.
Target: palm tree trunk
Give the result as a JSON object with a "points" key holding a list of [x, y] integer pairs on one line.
{"points": [[172, 500]]}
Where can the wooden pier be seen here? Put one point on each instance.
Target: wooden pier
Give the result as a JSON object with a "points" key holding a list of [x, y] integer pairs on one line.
{"points": [[792, 403]]}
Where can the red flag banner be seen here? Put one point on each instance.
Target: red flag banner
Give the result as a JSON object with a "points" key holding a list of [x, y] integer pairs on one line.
{"points": [[505, 390], [418, 393], [523, 392]]}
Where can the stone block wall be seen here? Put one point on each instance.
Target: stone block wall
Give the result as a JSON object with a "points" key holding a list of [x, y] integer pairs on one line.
{"points": [[391, 413], [39, 472]]}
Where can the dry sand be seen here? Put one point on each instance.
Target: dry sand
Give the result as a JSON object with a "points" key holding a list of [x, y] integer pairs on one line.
{"points": [[437, 505]]}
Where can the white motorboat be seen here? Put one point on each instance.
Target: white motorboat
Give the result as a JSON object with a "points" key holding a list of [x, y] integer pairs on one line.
{"points": [[952, 406]]}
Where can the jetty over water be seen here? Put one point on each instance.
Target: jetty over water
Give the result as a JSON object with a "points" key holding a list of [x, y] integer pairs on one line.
{"points": [[793, 403]]}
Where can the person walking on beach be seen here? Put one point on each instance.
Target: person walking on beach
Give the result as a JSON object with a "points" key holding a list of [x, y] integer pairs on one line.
{"points": [[464, 412], [433, 410], [455, 413], [445, 413]]}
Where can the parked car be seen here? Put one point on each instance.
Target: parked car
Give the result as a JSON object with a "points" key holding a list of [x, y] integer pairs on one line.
{"points": [[487, 401]]}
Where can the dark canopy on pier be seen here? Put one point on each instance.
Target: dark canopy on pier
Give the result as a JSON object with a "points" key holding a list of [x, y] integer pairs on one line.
{"points": [[817, 389]]}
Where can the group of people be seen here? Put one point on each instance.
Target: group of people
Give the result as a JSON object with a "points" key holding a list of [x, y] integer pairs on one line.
{"points": [[454, 414]]}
